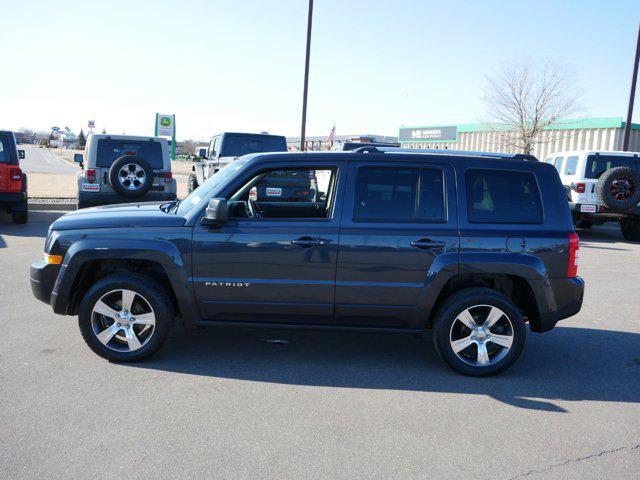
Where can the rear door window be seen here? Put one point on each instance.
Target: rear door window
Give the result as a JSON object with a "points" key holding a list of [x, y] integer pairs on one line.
{"points": [[109, 150], [557, 162], [502, 196], [571, 166], [598, 164], [398, 194]]}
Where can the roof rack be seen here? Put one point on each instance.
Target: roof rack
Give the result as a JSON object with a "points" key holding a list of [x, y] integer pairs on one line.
{"points": [[509, 156]]}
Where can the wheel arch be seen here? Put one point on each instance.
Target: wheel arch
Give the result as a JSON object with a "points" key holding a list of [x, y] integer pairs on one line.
{"points": [[89, 260]]}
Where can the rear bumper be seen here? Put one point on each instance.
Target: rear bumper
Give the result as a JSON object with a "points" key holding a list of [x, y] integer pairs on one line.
{"points": [[10, 198], [94, 199], [569, 293], [603, 212], [42, 278]]}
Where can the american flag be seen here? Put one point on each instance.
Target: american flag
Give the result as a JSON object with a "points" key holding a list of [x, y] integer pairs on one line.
{"points": [[332, 135]]}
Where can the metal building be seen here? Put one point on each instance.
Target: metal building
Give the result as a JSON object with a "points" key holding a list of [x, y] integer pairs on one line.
{"points": [[583, 134]]}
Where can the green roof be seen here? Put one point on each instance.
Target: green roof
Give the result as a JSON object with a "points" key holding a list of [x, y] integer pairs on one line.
{"points": [[569, 124]]}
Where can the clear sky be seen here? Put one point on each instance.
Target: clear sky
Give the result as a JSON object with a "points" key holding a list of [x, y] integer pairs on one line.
{"points": [[238, 64]]}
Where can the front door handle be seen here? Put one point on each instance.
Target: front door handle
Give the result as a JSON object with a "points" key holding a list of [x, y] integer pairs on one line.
{"points": [[306, 242], [427, 244]]}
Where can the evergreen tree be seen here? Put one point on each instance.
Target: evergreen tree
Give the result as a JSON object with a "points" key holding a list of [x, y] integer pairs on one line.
{"points": [[82, 140]]}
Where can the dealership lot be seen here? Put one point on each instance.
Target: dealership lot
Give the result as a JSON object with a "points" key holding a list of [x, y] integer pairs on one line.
{"points": [[223, 402]]}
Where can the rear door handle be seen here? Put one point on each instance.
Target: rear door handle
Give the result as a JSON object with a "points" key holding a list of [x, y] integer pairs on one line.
{"points": [[306, 242], [426, 244]]}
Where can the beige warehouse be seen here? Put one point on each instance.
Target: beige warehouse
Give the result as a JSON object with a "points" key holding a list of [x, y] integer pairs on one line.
{"points": [[584, 134]]}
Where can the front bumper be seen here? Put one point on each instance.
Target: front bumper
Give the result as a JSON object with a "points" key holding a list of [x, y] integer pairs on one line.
{"points": [[43, 277], [568, 293]]}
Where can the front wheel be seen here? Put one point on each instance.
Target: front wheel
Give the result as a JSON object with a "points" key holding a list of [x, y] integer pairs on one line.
{"points": [[192, 183], [125, 318], [479, 332]]}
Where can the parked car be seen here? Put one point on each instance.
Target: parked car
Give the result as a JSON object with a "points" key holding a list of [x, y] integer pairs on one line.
{"points": [[226, 147], [124, 168], [473, 247], [13, 182], [345, 146], [602, 187]]}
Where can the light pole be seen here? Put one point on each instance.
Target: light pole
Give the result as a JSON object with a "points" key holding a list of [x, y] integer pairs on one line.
{"points": [[306, 79], [632, 95]]}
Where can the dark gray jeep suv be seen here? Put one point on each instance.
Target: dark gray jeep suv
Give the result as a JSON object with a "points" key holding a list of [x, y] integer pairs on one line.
{"points": [[473, 246]]}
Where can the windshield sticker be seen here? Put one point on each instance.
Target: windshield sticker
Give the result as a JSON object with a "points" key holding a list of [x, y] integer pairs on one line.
{"points": [[274, 192]]}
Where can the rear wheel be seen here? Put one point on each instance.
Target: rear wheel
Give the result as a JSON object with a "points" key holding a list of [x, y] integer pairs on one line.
{"points": [[479, 332], [125, 318], [20, 217], [630, 228]]}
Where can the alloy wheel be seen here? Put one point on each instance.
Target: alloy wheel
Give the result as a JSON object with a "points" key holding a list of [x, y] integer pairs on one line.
{"points": [[123, 320], [132, 176], [481, 335]]}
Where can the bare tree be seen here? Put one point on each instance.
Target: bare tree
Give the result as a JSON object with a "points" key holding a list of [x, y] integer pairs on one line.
{"points": [[525, 97]]}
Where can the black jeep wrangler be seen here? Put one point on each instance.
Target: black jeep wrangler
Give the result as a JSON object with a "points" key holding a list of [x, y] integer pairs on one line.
{"points": [[473, 247]]}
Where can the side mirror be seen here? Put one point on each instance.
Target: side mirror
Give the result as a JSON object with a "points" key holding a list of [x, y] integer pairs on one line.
{"points": [[21, 154], [78, 158], [202, 153], [216, 212]]}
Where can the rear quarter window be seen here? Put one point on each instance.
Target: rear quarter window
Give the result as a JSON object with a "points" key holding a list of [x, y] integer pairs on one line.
{"points": [[502, 196], [109, 150], [571, 166]]}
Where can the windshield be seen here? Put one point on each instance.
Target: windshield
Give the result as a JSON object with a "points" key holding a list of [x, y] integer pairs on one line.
{"points": [[598, 164], [238, 145], [209, 189]]}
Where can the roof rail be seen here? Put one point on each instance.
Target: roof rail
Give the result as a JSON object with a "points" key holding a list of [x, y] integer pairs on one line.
{"points": [[512, 156]]}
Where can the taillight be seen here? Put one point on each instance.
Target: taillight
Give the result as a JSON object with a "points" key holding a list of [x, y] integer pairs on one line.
{"points": [[168, 177], [15, 174], [91, 175], [580, 187], [574, 252]]}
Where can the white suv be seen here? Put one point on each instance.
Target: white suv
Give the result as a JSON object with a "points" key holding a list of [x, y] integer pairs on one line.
{"points": [[601, 187], [124, 168]]}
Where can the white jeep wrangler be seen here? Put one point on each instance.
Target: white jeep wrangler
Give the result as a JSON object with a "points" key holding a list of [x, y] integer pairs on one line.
{"points": [[602, 187], [124, 168]]}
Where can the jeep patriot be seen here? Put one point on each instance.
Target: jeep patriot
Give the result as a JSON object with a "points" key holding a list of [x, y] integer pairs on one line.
{"points": [[473, 246]]}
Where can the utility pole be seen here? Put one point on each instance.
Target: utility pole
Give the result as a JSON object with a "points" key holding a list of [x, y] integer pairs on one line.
{"points": [[632, 96], [306, 79]]}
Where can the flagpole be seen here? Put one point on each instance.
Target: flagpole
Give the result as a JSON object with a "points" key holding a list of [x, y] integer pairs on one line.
{"points": [[306, 79]]}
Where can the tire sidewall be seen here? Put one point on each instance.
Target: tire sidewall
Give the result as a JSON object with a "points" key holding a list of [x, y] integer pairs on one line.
{"points": [[460, 302], [151, 292], [192, 183], [115, 169], [604, 188]]}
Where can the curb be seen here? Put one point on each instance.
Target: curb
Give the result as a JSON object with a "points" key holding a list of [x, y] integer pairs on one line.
{"points": [[66, 204]]}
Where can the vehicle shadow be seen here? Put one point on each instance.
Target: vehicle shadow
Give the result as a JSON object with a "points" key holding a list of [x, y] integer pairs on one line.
{"points": [[37, 226], [567, 364]]}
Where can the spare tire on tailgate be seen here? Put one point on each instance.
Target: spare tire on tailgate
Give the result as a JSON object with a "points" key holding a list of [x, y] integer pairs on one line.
{"points": [[131, 176], [619, 188]]}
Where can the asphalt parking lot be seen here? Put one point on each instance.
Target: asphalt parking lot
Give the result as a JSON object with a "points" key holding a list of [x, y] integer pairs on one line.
{"points": [[224, 403]]}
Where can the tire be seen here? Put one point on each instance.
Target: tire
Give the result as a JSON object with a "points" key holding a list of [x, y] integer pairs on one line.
{"points": [[619, 188], [20, 217], [479, 303], [192, 183], [116, 345], [139, 170], [630, 228]]}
